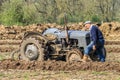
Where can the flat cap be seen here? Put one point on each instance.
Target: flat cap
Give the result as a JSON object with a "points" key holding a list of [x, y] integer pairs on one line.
{"points": [[87, 22]]}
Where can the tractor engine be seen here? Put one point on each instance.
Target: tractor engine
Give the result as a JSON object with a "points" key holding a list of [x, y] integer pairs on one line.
{"points": [[60, 46]]}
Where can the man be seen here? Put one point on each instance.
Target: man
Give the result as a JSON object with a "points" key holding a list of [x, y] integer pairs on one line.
{"points": [[97, 42]]}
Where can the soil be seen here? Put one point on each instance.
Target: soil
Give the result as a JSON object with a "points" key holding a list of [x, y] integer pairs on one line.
{"points": [[10, 39], [110, 30], [59, 65]]}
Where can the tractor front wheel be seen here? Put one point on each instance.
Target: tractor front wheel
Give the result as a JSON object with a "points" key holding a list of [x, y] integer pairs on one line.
{"points": [[74, 55]]}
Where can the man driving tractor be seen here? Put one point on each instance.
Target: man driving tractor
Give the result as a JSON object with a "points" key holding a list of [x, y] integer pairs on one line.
{"points": [[96, 44]]}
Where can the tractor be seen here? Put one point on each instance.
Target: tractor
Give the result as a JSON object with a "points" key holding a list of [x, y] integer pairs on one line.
{"points": [[54, 44]]}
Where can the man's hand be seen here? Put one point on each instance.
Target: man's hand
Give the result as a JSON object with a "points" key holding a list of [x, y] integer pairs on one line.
{"points": [[94, 47]]}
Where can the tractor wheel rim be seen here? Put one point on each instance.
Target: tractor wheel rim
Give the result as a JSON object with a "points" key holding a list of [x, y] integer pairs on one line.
{"points": [[31, 51], [74, 57]]}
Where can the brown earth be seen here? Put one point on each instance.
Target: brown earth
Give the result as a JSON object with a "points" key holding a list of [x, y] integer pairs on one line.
{"points": [[14, 33], [59, 65], [110, 30]]}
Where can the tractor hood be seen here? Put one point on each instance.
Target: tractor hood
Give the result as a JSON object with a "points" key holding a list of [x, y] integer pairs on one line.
{"points": [[74, 34], [54, 31]]}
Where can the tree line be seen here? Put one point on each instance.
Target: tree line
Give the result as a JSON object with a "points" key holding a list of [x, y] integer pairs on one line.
{"points": [[24, 12]]}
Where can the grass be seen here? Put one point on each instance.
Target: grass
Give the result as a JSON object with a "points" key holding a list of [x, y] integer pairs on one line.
{"points": [[26, 76], [2, 57], [118, 78], [99, 73], [1, 74]]}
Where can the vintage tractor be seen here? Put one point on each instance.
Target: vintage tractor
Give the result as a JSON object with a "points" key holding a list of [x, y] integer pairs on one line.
{"points": [[54, 44]]}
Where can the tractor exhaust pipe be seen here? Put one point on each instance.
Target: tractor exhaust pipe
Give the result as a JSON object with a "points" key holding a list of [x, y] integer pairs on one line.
{"points": [[65, 42], [66, 28]]}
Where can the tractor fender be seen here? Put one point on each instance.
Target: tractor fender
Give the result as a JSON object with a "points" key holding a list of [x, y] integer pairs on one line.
{"points": [[30, 33]]}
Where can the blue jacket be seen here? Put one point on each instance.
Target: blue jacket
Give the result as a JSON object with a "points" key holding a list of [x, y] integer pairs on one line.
{"points": [[96, 34]]}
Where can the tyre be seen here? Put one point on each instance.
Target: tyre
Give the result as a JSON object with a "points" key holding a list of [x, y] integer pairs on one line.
{"points": [[74, 55], [31, 49], [104, 52], [94, 57]]}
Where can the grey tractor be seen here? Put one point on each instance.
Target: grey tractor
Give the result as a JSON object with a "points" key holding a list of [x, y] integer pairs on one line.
{"points": [[55, 44]]}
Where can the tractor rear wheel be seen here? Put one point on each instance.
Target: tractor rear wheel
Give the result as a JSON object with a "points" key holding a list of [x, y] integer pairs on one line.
{"points": [[74, 55], [94, 55], [31, 49]]}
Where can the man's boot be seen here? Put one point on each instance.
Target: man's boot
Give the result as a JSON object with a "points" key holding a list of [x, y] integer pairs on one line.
{"points": [[85, 58]]}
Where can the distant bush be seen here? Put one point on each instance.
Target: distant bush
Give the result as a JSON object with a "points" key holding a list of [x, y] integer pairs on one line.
{"points": [[95, 18], [11, 12], [24, 12], [18, 12]]}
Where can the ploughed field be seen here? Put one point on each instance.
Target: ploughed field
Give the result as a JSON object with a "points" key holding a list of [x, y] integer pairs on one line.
{"points": [[58, 70], [55, 70], [112, 61]]}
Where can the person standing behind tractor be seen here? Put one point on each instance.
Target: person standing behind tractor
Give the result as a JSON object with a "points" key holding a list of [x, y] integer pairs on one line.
{"points": [[96, 44]]}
